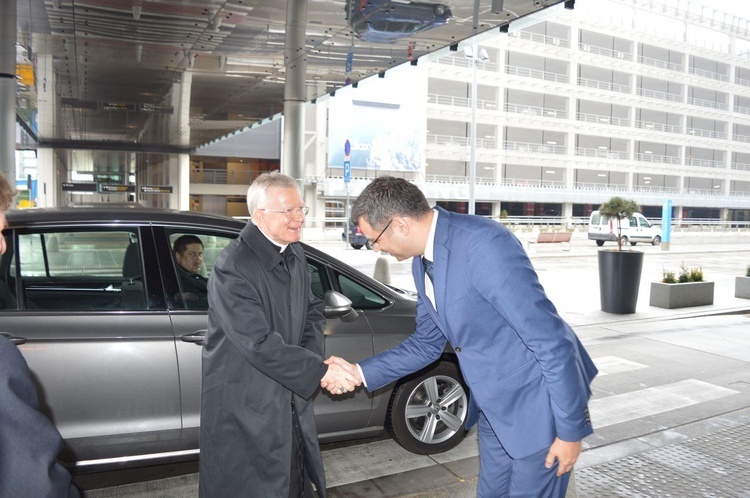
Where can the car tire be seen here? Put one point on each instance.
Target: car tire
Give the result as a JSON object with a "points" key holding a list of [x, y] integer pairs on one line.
{"points": [[368, 246], [357, 246], [624, 240], [427, 413], [656, 241], [600, 243], [439, 9]]}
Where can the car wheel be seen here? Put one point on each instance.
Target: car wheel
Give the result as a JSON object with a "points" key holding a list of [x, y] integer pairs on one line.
{"points": [[656, 241], [624, 240], [368, 246], [600, 243], [428, 412], [439, 9], [633, 243], [357, 246]]}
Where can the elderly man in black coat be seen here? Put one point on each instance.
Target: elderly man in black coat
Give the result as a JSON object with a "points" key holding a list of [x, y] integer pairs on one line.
{"points": [[263, 357]]}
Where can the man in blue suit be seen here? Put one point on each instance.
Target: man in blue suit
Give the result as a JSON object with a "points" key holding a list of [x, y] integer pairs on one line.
{"points": [[528, 373]]}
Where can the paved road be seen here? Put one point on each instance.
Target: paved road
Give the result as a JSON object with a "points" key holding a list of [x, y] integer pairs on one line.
{"points": [[670, 407]]}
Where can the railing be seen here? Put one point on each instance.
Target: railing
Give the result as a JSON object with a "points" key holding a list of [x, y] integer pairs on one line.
{"points": [[536, 111], [539, 38], [603, 85], [654, 94], [537, 74], [709, 74], [222, 177], [742, 110], [452, 60], [706, 133], [656, 158], [704, 163], [707, 103], [434, 98], [741, 81], [532, 147], [606, 52], [452, 140], [660, 63], [606, 154], [602, 119], [742, 166], [648, 125]]}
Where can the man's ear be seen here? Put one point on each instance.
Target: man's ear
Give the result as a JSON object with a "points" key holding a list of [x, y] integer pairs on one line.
{"points": [[401, 224]]}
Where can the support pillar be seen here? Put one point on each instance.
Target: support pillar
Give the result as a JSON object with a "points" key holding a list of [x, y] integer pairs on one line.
{"points": [[8, 90], [178, 173], [295, 61]]}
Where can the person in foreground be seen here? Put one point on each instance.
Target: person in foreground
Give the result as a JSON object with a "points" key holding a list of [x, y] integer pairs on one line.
{"points": [[188, 253], [528, 373], [29, 441], [262, 357]]}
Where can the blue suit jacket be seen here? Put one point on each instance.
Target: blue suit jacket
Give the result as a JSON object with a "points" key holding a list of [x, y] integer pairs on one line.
{"points": [[526, 369]]}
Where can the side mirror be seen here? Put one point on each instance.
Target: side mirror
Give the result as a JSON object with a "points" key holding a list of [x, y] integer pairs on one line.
{"points": [[338, 305]]}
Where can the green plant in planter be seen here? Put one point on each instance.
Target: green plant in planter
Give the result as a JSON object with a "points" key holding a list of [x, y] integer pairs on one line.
{"points": [[668, 277], [686, 275], [619, 209]]}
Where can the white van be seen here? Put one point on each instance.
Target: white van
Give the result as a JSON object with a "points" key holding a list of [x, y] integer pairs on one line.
{"points": [[634, 230]]}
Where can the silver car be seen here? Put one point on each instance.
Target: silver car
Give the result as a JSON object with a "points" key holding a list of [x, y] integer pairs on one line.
{"points": [[92, 298]]}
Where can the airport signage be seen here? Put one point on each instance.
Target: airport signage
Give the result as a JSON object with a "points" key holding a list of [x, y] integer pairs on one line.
{"points": [[156, 189], [78, 187], [107, 188]]}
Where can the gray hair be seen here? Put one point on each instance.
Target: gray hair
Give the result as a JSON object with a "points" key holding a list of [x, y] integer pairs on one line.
{"points": [[256, 192], [386, 197]]}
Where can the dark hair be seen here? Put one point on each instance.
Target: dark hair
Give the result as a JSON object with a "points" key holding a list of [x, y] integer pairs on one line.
{"points": [[180, 245], [6, 194], [386, 197]]}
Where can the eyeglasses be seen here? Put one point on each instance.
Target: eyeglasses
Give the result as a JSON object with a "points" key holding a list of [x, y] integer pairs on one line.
{"points": [[381, 233], [289, 212]]}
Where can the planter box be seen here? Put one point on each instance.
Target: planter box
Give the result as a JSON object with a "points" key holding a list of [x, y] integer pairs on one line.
{"points": [[681, 295], [742, 287]]}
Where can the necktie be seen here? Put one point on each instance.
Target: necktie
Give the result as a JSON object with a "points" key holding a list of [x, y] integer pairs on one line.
{"points": [[427, 267]]}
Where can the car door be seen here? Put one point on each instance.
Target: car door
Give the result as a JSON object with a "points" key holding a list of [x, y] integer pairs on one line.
{"points": [[189, 322], [341, 414], [104, 364]]}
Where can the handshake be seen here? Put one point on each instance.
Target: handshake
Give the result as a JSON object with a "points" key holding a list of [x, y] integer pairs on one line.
{"points": [[341, 377]]}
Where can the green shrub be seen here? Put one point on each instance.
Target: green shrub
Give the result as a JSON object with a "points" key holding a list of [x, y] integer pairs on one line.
{"points": [[686, 275], [668, 277]]}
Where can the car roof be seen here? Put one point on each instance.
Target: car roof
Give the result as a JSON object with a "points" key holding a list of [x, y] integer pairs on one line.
{"points": [[104, 213]]}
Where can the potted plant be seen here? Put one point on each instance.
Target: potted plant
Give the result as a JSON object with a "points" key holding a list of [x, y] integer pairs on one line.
{"points": [[619, 271], [687, 289], [742, 285]]}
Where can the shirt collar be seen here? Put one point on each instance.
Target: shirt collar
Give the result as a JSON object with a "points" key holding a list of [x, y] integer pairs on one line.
{"points": [[281, 247], [429, 249]]}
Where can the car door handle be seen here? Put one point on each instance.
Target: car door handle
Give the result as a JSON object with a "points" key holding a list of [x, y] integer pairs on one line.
{"points": [[14, 339], [196, 337]]}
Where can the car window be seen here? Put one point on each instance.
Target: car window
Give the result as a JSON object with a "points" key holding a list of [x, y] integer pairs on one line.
{"points": [[88, 269], [633, 222], [360, 296], [192, 280]]}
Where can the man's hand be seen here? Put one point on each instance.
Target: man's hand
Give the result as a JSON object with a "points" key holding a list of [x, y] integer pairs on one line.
{"points": [[566, 453], [341, 377]]}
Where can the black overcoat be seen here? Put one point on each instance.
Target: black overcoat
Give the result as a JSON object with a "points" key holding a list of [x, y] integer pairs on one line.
{"points": [[263, 350], [29, 442]]}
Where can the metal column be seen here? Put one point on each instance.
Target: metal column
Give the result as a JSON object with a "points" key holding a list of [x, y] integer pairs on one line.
{"points": [[8, 90], [295, 60]]}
